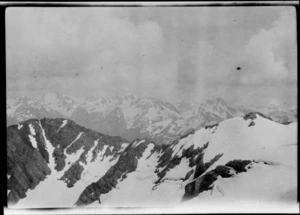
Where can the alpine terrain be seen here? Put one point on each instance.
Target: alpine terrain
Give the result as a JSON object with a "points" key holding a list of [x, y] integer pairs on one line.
{"points": [[134, 117], [55, 162]]}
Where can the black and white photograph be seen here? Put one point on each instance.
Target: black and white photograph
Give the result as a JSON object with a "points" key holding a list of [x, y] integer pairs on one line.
{"points": [[151, 108]]}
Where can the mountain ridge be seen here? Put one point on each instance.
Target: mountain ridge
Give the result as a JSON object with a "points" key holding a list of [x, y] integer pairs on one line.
{"points": [[90, 168], [132, 116]]}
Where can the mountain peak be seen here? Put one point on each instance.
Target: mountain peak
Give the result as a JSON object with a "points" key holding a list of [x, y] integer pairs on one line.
{"points": [[252, 115]]}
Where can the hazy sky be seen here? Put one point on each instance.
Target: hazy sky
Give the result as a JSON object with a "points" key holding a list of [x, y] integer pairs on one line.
{"points": [[185, 53]]}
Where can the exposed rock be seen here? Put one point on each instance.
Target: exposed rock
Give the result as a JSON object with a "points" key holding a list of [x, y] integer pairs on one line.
{"points": [[167, 155], [188, 175], [238, 165], [73, 174], [27, 165], [204, 182], [211, 126], [251, 124], [202, 167], [59, 158], [127, 163], [22, 160], [194, 155], [223, 171], [199, 185], [171, 164], [252, 116], [69, 133]]}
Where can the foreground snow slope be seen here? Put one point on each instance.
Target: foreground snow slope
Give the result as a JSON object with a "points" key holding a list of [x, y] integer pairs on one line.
{"points": [[271, 149], [244, 159]]}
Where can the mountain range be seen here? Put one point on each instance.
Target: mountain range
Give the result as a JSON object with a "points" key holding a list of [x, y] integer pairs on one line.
{"points": [[54, 163], [134, 117]]}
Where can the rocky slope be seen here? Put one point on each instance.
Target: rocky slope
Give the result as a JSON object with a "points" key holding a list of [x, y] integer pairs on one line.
{"points": [[207, 163], [249, 157], [59, 148]]}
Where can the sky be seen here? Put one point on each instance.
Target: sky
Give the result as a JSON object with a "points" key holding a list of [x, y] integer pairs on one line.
{"points": [[245, 55]]}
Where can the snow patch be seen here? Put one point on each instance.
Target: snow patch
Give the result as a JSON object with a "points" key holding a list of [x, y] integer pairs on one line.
{"points": [[32, 130], [78, 136], [89, 155], [49, 148], [72, 158], [179, 171], [123, 146], [20, 126], [138, 143], [93, 171], [33, 141], [62, 125]]}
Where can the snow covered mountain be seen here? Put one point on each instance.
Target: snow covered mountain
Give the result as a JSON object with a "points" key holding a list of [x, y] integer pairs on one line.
{"points": [[281, 115], [132, 117], [57, 163], [51, 105], [128, 116], [210, 112], [47, 150]]}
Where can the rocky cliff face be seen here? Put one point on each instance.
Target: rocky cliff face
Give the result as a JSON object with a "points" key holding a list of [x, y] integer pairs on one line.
{"points": [[127, 163], [28, 155]]}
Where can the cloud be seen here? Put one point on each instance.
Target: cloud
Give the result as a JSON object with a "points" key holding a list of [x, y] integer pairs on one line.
{"points": [[264, 51], [267, 66], [261, 60], [168, 53], [94, 48]]}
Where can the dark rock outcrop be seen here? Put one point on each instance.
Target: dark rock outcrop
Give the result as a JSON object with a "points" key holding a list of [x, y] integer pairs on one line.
{"points": [[251, 124], [127, 163], [223, 171], [195, 156], [66, 142], [26, 165], [252, 116], [205, 181], [73, 174], [199, 185], [188, 175], [202, 167], [238, 165], [211, 126]]}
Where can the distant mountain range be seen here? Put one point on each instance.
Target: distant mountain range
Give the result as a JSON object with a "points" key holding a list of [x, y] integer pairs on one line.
{"points": [[54, 163], [133, 117]]}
